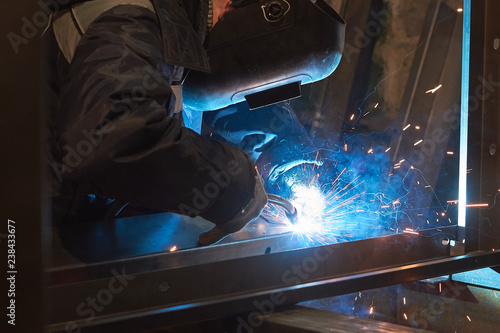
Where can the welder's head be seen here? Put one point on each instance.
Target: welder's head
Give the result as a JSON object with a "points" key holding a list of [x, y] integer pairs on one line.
{"points": [[262, 51]]}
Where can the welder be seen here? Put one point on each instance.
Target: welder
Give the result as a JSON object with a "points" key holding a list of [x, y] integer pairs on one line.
{"points": [[117, 141]]}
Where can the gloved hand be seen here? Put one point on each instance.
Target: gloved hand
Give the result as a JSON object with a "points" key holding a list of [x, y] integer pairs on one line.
{"points": [[283, 157], [249, 214]]}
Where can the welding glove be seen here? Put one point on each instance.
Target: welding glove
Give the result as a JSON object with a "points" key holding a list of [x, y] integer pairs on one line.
{"points": [[248, 214], [274, 163]]}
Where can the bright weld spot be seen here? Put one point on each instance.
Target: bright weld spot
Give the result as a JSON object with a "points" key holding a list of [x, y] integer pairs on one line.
{"points": [[418, 142], [310, 205], [443, 214], [407, 126], [173, 248], [432, 91]]}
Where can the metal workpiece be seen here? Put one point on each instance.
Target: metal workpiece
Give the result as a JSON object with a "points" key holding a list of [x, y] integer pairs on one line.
{"points": [[303, 319], [230, 286]]}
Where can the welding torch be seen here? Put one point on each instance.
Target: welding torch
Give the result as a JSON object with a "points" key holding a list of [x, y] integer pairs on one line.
{"points": [[290, 210]]}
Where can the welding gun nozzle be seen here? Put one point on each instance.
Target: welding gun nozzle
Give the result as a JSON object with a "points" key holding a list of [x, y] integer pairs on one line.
{"points": [[291, 211]]}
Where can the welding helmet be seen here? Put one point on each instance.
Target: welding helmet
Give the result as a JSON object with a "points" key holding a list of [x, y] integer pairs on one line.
{"points": [[264, 51]]}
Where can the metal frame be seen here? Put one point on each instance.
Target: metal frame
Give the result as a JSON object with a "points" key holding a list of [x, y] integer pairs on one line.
{"points": [[225, 280], [223, 288]]}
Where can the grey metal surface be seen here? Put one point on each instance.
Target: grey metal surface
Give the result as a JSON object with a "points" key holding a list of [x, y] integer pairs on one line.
{"points": [[142, 244], [307, 320], [235, 283]]}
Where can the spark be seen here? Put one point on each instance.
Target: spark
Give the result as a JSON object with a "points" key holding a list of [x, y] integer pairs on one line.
{"points": [[495, 294], [406, 317], [370, 151], [418, 142], [449, 152], [417, 127], [387, 150], [407, 126], [404, 300], [352, 117], [345, 147], [477, 205], [460, 10], [173, 248], [316, 160], [440, 287], [376, 105], [469, 318], [402, 161], [340, 206], [371, 309], [432, 91], [410, 231], [443, 214]]}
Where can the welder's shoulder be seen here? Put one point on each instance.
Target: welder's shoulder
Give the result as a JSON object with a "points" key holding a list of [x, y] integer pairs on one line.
{"points": [[181, 42]]}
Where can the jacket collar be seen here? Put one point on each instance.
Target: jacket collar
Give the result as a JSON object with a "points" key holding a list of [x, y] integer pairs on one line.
{"points": [[183, 27]]}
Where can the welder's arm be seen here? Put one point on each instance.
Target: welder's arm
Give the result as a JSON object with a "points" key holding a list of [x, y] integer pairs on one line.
{"points": [[117, 136]]}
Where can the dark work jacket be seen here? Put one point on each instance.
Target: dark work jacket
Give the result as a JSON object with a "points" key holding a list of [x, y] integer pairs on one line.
{"points": [[112, 134]]}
